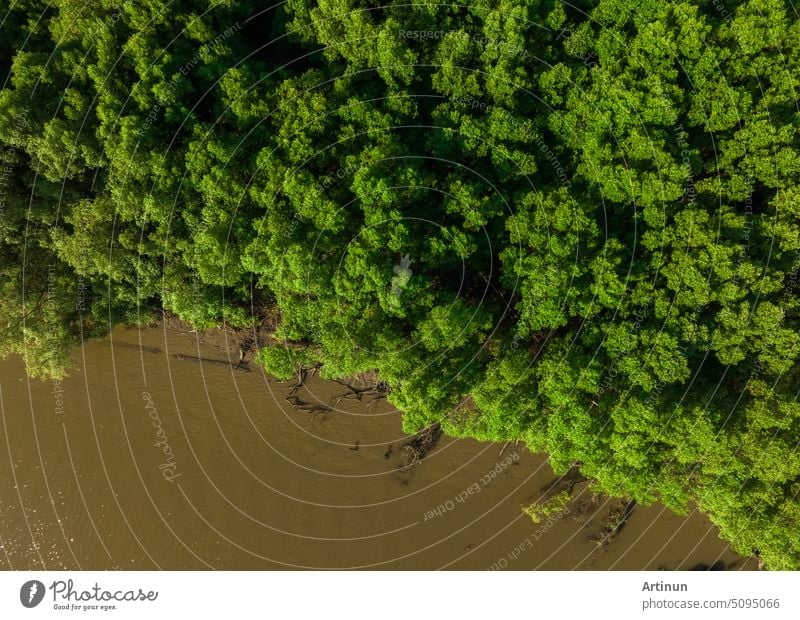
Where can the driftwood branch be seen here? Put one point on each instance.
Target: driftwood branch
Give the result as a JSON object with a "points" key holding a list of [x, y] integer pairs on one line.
{"points": [[312, 408]]}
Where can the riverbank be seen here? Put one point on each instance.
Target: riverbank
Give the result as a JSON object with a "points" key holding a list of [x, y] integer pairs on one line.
{"points": [[265, 483]]}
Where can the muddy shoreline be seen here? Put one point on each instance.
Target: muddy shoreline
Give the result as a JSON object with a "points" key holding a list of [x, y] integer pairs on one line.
{"points": [[268, 474]]}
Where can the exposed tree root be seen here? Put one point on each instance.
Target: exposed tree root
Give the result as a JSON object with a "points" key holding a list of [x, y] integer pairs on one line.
{"points": [[312, 408], [378, 390], [415, 450], [303, 375], [617, 518], [564, 483]]}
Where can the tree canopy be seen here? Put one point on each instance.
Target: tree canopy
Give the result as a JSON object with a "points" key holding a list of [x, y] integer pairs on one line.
{"points": [[575, 225]]}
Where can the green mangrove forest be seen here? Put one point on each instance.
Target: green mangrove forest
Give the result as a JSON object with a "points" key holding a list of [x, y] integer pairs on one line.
{"points": [[573, 225]]}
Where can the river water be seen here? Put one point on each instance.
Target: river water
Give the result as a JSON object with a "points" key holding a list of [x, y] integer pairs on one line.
{"points": [[156, 453]]}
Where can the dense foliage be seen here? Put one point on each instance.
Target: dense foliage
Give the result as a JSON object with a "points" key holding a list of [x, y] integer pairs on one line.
{"points": [[577, 225]]}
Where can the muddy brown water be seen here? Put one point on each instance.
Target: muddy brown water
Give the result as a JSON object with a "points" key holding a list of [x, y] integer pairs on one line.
{"points": [[238, 478]]}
